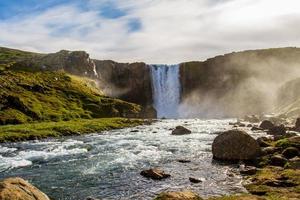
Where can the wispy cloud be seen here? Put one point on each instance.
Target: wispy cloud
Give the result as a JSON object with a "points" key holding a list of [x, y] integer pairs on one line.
{"points": [[154, 31]]}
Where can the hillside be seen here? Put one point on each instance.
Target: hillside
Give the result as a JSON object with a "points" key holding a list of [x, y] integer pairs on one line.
{"points": [[28, 96]]}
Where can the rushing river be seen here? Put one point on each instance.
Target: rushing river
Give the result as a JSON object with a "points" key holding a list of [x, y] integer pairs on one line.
{"points": [[107, 165]]}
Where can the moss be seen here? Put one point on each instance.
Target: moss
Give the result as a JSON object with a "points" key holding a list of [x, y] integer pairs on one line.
{"points": [[13, 133], [55, 96]]}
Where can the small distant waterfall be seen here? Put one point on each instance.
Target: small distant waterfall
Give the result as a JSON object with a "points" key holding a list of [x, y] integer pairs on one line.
{"points": [[166, 90]]}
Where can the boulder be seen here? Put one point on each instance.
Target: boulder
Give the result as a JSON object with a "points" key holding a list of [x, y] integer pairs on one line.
{"points": [[180, 130], [277, 130], [294, 163], [278, 160], [290, 152], [184, 195], [195, 180], [155, 174], [19, 189], [235, 145], [263, 141], [266, 125]]}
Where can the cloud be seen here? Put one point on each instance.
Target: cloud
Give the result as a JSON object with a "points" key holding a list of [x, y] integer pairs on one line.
{"points": [[154, 31]]}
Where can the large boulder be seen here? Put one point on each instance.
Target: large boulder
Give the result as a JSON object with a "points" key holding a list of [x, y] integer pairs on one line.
{"points": [[19, 189], [266, 124], [180, 130], [277, 130], [184, 195], [235, 145]]}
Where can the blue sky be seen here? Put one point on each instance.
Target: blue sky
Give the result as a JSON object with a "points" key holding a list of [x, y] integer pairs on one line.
{"points": [[154, 31]]}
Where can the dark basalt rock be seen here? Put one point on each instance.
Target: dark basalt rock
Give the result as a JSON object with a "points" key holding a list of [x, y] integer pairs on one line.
{"points": [[290, 152], [278, 160], [266, 125], [234, 145], [180, 130]]}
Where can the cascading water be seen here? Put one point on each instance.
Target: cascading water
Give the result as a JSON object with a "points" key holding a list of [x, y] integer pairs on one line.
{"points": [[166, 90]]}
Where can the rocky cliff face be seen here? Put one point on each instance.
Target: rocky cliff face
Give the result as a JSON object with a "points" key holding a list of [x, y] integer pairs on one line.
{"points": [[238, 83], [130, 82], [74, 62]]}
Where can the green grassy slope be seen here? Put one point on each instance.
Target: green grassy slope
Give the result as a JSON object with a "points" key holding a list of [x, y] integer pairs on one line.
{"points": [[27, 96]]}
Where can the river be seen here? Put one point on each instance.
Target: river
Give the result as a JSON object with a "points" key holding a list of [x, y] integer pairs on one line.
{"points": [[107, 165]]}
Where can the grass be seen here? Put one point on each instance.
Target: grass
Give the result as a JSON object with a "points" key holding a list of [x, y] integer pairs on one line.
{"points": [[22, 132], [27, 97]]}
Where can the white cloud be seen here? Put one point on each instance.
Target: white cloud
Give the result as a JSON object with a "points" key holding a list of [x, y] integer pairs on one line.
{"points": [[172, 31]]}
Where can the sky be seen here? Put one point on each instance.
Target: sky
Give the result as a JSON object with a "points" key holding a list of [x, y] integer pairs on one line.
{"points": [[152, 31]]}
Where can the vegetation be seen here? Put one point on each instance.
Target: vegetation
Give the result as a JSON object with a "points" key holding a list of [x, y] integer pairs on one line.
{"points": [[54, 96], [32, 131]]}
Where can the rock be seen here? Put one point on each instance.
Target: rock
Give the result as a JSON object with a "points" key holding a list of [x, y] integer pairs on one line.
{"points": [[184, 161], [297, 125], [290, 152], [255, 128], [184, 195], [180, 130], [155, 174], [235, 145], [278, 160], [266, 125], [249, 125], [91, 198], [294, 163], [263, 141], [19, 189], [277, 130], [268, 150], [195, 180], [134, 131], [249, 170]]}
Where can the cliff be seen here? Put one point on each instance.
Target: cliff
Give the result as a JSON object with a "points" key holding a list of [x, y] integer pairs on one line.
{"points": [[236, 84]]}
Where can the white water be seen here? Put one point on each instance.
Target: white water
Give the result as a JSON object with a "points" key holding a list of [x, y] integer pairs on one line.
{"points": [[107, 165], [166, 90]]}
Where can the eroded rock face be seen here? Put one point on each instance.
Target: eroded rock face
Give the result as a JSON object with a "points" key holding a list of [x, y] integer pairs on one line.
{"points": [[235, 145], [19, 189], [184, 195], [129, 82]]}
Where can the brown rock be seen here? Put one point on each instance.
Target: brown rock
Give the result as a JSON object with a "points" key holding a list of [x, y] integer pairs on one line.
{"points": [[155, 174], [19, 189], [184, 195], [290, 152], [235, 145], [266, 124], [195, 180], [278, 160], [180, 130], [277, 130]]}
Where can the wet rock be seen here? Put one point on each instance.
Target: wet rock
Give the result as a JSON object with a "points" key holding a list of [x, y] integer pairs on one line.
{"points": [[255, 128], [290, 152], [155, 174], [249, 125], [248, 170], [268, 150], [278, 160], [235, 145], [19, 189], [195, 180], [266, 125], [134, 131], [290, 134], [184, 161], [184, 195], [91, 198], [294, 163], [263, 141], [277, 130], [180, 130]]}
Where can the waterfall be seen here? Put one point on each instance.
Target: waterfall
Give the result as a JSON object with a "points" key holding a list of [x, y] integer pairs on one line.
{"points": [[166, 90]]}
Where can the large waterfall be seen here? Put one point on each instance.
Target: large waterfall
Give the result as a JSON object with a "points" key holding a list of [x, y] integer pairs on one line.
{"points": [[166, 90]]}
